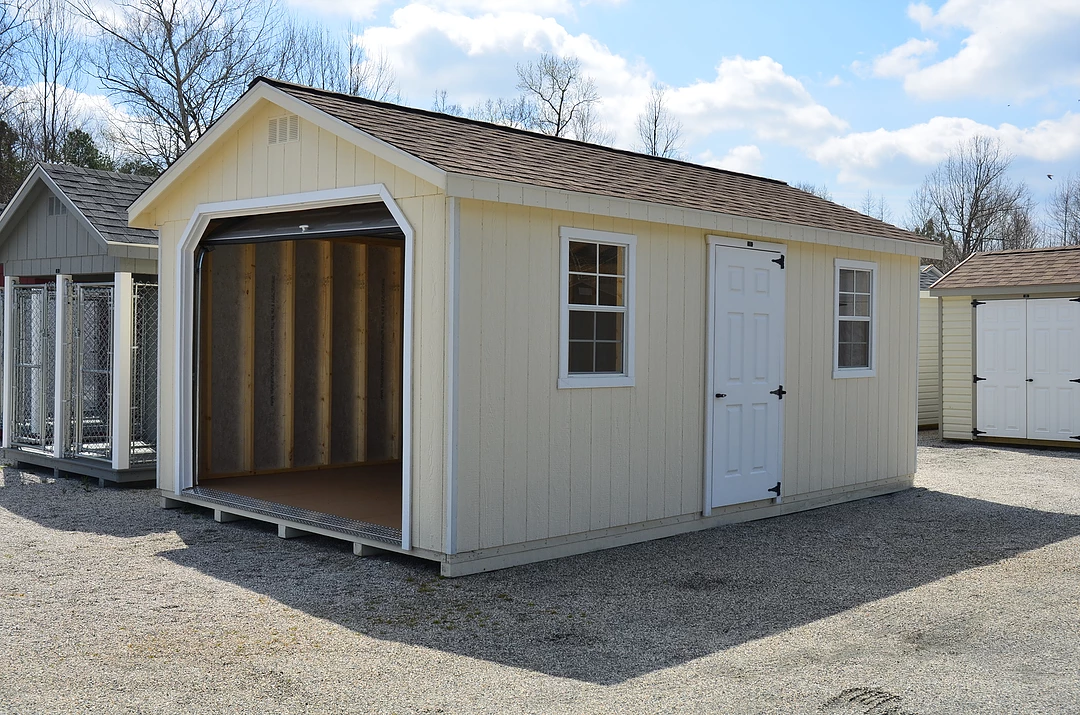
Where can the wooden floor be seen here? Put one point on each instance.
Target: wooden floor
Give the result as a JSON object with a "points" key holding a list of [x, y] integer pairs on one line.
{"points": [[368, 493]]}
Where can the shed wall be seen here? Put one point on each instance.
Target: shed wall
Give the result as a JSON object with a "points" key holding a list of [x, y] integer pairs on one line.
{"points": [[536, 462], [929, 360], [242, 166], [957, 320]]}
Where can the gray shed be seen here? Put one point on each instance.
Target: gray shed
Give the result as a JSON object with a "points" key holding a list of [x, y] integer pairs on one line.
{"points": [[79, 326]]}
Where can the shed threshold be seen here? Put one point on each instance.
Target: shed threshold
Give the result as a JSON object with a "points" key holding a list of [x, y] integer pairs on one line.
{"points": [[299, 515]]}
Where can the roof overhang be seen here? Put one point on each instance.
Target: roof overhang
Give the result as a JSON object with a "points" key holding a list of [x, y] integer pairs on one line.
{"points": [[1059, 289], [260, 92]]}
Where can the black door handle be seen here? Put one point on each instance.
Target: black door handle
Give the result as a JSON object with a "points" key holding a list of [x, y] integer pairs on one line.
{"points": [[1031, 379], [719, 395]]}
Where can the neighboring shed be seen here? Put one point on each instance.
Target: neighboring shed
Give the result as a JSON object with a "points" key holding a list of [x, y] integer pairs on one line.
{"points": [[929, 350], [1010, 338], [80, 325], [486, 347]]}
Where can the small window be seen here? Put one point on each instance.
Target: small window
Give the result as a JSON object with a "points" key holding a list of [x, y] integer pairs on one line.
{"points": [[856, 319], [57, 207], [284, 129], [596, 325]]}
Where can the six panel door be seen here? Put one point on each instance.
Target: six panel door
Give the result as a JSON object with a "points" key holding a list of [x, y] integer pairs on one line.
{"points": [[1053, 409], [1001, 366], [747, 355]]}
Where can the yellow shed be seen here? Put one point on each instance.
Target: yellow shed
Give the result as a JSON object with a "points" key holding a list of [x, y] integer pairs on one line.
{"points": [[1010, 346], [486, 347]]}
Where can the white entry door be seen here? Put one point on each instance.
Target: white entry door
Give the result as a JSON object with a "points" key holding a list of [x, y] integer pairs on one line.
{"points": [[1053, 409], [1001, 368], [746, 358], [1026, 368]]}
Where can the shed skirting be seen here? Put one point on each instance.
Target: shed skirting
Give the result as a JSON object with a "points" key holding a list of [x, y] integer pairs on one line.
{"points": [[501, 557]]}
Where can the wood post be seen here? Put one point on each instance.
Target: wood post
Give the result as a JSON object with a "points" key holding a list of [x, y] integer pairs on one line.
{"points": [[246, 342], [392, 354], [323, 348], [286, 347]]}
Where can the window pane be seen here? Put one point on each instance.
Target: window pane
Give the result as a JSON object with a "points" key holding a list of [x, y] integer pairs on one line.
{"points": [[854, 331], [581, 357], [611, 260], [581, 325], [847, 304], [860, 355], [862, 305], [611, 291], [583, 290], [609, 326], [862, 281], [583, 257], [608, 357], [847, 279]]}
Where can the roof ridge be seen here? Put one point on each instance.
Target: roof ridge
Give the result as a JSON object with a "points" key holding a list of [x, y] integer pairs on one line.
{"points": [[99, 172], [502, 127], [1037, 249]]}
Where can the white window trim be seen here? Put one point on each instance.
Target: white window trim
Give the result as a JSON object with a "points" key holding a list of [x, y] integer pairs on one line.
{"points": [[626, 379], [846, 372]]}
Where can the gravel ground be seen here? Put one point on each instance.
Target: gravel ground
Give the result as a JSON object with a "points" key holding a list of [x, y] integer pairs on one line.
{"points": [[961, 595]]}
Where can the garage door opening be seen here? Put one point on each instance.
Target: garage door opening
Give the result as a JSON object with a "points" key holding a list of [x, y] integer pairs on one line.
{"points": [[299, 339]]}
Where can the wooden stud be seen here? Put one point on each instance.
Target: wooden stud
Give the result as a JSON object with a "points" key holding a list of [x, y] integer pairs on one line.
{"points": [[393, 334], [286, 347], [246, 330], [324, 348], [360, 306], [205, 364]]}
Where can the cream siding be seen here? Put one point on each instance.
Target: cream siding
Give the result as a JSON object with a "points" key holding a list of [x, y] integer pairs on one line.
{"points": [[929, 360], [957, 319], [242, 166], [536, 462]]}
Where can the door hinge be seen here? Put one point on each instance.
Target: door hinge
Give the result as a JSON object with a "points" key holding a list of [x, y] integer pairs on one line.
{"points": [[1074, 300], [976, 378], [977, 303], [1076, 380], [976, 432], [1075, 436], [779, 392], [779, 261], [776, 490]]}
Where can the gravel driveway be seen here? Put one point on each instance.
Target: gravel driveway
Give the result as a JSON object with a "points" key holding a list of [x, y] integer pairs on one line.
{"points": [[961, 595]]}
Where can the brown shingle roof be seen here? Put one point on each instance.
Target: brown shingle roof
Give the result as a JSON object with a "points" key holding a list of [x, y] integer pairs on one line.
{"points": [[103, 198], [475, 148], [1031, 267]]}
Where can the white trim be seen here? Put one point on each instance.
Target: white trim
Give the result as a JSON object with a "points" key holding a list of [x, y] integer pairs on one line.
{"points": [[453, 293], [237, 113], [9, 364], [39, 174], [710, 375], [59, 364], [121, 359], [846, 373], [185, 320], [626, 379]]}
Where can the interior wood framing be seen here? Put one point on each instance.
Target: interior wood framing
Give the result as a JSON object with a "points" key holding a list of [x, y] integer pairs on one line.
{"points": [[300, 362]]}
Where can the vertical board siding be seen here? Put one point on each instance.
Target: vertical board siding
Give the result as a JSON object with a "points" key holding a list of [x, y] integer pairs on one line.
{"points": [[242, 166], [592, 459], [957, 321], [929, 361], [40, 245]]}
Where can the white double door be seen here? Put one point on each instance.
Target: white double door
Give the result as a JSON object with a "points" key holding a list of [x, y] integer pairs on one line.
{"points": [[1027, 367], [746, 360]]}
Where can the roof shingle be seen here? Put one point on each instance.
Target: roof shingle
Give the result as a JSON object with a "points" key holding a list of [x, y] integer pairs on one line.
{"points": [[466, 146], [1030, 267], [103, 198]]}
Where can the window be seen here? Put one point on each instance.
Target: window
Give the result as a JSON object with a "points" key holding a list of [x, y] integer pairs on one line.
{"points": [[596, 324], [856, 319]]}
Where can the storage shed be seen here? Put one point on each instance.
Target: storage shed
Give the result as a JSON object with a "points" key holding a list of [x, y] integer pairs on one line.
{"points": [[929, 349], [1010, 345], [485, 346], [79, 326]]}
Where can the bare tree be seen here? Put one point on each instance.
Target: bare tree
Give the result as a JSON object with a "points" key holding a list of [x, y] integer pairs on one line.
{"points": [[518, 112], [1019, 228], [875, 206], [559, 92], [318, 56], [588, 128], [175, 67], [441, 104], [821, 191], [14, 27], [54, 54], [1063, 212], [659, 132], [969, 198]]}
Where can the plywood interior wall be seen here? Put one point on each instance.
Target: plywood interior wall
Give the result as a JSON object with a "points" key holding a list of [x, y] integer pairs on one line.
{"points": [[300, 355]]}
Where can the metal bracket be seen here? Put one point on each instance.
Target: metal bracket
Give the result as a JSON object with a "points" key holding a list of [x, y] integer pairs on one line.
{"points": [[976, 432], [779, 392], [1076, 380], [1074, 300], [779, 261], [976, 378], [776, 489], [1077, 436], [977, 303]]}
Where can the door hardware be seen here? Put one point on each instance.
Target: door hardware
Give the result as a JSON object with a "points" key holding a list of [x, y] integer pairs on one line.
{"points": [[1031, 379], [779, 392], [719, 395], [779, 261], [776, 490]]}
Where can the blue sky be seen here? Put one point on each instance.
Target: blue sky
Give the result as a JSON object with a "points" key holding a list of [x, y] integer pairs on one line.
{"points": [[859, 96]]}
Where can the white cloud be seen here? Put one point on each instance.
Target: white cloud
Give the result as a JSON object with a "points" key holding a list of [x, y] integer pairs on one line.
{"points": [[1014, 49], [835, 81], [864, 154], [903, 60], [746, 159]]}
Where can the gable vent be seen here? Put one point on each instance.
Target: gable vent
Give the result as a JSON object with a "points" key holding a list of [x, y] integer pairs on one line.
{"points": [[56, 207], [284, 129]]}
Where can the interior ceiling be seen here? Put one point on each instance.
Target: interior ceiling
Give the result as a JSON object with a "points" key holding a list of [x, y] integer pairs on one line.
{"points": [[367, 219]]}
